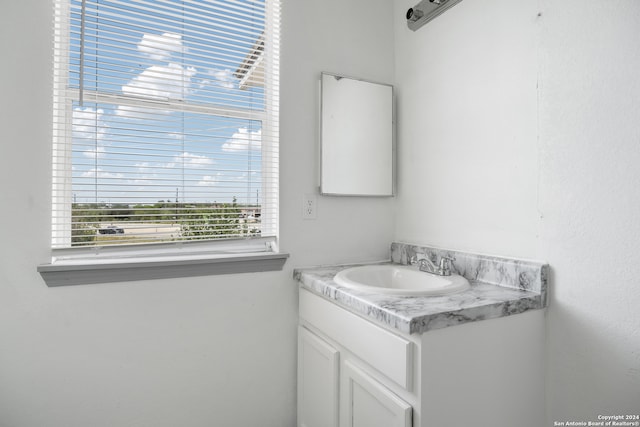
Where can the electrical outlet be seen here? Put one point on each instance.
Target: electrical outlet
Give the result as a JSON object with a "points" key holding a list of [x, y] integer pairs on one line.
{"points": [[309, 206]]}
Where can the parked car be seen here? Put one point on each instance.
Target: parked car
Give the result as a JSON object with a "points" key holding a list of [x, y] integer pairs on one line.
{"points": [[111, 229]]}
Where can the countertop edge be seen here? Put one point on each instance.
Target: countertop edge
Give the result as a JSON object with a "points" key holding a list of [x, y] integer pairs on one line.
{"points": [[483, 302]]}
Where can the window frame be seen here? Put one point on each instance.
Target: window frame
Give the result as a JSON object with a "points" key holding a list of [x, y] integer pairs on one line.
{"points": [[102, 264]]}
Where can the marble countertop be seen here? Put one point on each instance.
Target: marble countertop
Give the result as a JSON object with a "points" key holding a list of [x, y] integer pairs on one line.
{"points": [[521, 287]]}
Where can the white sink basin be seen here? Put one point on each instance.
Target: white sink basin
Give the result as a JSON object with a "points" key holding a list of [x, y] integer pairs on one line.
{"points": [[399, 280]]}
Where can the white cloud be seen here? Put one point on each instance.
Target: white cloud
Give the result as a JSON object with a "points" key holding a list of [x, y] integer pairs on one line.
{"points": [[161, 47], [140, 181], [92, 173], [144, 174], [190, 160], [244, 139], [171, 81], [209, 181], [88, 124], [95, 153], [158, 82], [223, 78]]}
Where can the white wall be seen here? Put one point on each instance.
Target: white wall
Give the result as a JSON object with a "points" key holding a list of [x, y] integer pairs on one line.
{"points": [[590, 201], [520, 135], [467, 127], [195, 352], [353, 38]]}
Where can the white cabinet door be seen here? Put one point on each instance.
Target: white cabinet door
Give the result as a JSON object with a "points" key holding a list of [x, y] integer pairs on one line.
{"points": [[318, 382], [367, 403]]}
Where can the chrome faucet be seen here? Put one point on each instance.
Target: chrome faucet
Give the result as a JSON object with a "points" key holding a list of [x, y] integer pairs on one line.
{"points": [[425, 264]]}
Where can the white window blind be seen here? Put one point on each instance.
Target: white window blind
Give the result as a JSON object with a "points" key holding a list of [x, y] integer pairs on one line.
{"points": [[165, 121]]}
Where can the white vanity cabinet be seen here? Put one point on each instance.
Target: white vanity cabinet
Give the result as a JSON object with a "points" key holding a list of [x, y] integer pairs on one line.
{"points": [[365, 401], [353, 372], [350, 370]]}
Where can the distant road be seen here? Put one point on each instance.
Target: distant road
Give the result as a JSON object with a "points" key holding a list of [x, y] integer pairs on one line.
{"points": [[147, 229]]}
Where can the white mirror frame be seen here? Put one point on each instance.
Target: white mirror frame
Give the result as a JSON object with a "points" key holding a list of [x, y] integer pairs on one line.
{"points": [[357, 137]]}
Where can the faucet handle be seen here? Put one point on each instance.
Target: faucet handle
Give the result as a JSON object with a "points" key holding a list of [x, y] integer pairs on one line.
{"points": [[417, 258], [445, 264]]}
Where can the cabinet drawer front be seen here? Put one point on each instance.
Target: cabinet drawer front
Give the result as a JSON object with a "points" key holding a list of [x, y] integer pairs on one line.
{"points": [[386, 352]]}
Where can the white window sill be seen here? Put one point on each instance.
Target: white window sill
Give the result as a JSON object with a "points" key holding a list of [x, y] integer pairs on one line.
{"points": [[92, 270]]}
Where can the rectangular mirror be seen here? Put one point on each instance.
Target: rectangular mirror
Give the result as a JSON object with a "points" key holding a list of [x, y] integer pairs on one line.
{"points": [[356, 137]]}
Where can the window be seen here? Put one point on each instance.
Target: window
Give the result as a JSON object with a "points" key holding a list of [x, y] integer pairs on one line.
{"points": [[165, 126]]}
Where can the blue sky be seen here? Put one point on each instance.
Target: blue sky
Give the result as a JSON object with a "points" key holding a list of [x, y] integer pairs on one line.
{"points": [[130, 153]]}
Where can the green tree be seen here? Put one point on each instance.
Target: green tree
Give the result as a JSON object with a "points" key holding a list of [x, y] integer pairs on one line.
{"points": [[218, 222], [85, 219]]}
